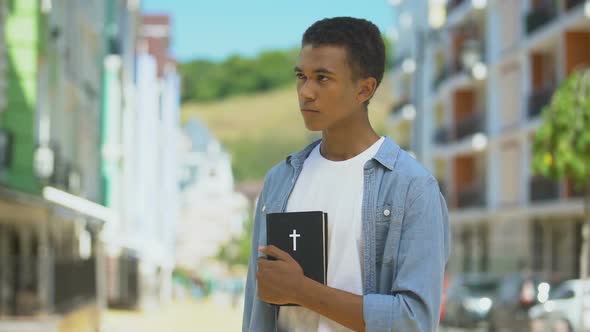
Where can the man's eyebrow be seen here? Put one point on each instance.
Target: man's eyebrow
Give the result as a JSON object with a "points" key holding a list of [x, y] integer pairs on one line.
{"points": [[317, 71]]}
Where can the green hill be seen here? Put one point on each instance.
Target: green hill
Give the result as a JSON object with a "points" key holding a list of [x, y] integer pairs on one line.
{"points": [[262, 129]]}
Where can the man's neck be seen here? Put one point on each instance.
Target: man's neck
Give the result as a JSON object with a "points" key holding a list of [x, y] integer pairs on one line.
{"points": [[347, 141]]}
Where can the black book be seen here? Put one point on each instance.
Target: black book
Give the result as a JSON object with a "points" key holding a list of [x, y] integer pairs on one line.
{"points": [[304, 236]]}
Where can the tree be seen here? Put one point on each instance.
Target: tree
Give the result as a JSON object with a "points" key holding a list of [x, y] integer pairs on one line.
{"points": [[561, 147]]}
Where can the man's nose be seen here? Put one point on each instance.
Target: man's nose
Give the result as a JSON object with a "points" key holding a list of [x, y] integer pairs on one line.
{"points": [[306, 90]]}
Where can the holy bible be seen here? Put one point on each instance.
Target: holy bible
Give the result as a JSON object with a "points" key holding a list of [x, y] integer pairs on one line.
{"points": [[304, 236]]}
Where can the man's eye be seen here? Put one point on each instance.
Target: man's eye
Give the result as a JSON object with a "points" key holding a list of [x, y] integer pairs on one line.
{"points": [[322, 78], [300, 76]]}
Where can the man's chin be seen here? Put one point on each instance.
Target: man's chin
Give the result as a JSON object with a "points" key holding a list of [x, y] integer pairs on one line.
{"points": [[312, 127]]}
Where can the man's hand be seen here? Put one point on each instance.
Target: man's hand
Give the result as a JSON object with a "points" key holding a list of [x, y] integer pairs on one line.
{"points": [[280, 280]]}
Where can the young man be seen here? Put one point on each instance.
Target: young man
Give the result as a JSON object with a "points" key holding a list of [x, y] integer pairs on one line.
{"points": [[388, 223]]}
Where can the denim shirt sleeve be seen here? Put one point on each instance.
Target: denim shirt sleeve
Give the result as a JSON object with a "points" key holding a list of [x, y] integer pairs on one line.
{"points": [[257, 315], [250, 291], [416, 294]]}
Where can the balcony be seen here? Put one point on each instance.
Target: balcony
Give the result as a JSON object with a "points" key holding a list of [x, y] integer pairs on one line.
{"points": [[441, 75], [472, 196], [577, 193], [543, 189], [397, 61], [452, 4], [442, 135], [574, 191], [448, 71], [540, 16], [397, 108], [538, 100], [570, 4], [443, 189], [472, 124]]}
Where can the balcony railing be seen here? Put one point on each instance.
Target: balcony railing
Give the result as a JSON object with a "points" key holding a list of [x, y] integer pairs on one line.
{"points": [[455, 67], [443, 189], [442, 135], [472, 124], [399, 106], [540, 16], [573, 191], [543, 189], [452, 4], [472, 196], [447, 71], [397, 61], [441, 76], [569, 4], [70, 283], [538, 100]]}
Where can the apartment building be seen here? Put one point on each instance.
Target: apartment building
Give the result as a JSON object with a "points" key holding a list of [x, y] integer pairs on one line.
{"points": [[477, 84]]}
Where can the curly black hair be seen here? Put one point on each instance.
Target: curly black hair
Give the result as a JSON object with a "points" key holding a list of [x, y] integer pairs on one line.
{"points": [[361, 38]]}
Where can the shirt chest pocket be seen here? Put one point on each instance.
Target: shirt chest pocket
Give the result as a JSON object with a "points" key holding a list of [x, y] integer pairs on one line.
{"points": [[388, 221]]}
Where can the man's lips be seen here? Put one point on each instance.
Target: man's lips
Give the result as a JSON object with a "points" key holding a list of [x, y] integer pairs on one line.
{"points": [[308, 110]]}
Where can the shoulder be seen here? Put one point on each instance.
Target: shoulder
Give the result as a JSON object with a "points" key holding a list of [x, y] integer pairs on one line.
{"points": [[281, 171], [415, 175], [276, 172]]}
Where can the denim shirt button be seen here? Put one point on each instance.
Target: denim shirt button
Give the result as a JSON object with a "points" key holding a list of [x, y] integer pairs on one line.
{"points": [[263, 208], [386, 213]]}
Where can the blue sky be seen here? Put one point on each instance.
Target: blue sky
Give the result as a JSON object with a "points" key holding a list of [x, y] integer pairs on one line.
{"points": [[214, 29]]}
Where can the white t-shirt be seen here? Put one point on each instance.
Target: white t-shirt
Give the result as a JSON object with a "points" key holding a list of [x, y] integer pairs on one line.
{"points": [[335, 187]]}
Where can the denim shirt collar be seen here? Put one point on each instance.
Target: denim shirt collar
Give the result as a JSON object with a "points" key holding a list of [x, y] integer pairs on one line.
{"points": [[386, 155]]}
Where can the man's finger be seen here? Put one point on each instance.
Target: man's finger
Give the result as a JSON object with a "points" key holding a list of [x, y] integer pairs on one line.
{"points": [[275, 252], [263, 263]]}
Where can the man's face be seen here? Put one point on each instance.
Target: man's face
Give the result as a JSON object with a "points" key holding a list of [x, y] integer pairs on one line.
{"points": [[325, 88]]}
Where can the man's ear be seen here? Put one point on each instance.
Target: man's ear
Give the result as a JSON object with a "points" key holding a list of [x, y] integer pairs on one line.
{"points": [[366, 89]]}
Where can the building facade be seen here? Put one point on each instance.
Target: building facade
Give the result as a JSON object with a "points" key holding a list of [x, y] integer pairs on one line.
{"points": [[213, 213], [50, 211], [484, 77]]}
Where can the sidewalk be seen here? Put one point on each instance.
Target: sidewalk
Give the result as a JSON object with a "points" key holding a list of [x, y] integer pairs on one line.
{"points": [[183, 316]]}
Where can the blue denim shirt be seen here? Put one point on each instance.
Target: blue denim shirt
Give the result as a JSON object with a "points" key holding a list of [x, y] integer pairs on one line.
{"points": [[405, 236]]}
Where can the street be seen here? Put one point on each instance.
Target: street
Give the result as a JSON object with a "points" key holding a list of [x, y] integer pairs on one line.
{"points": [[183, 316], [189, 316]]}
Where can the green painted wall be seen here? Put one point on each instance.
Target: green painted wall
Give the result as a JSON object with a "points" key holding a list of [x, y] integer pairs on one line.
{"points": [[23, 45]]}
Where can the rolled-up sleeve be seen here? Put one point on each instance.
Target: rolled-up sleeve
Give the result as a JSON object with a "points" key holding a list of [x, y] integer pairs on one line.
{"points": [[424, 249], [250, 294]]}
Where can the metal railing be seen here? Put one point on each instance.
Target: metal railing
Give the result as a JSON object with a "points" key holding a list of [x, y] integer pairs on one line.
{"points": [[447, 71], [576, 192], [443, 190], [398, 60], [539, 99], [399, 106], [539, 16], [442, 135], [441, 75], [472, 196], [452, 4], [543, 189], [470, 125]]}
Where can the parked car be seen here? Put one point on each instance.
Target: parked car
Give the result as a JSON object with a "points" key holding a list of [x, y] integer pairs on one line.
{"points": [[563, 311], [517, 293], [469, 299]]}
